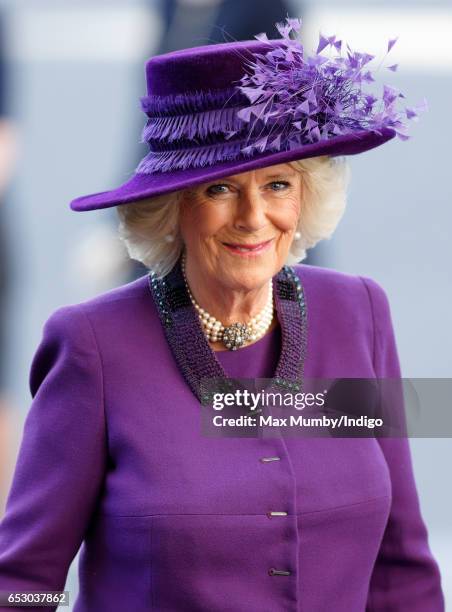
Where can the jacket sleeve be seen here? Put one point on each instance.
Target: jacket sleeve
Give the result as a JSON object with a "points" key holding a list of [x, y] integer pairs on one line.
{"points": [[61, 461], [405, 577]]}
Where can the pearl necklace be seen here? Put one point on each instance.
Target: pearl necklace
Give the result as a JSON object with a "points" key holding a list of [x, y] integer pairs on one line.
{"points": [[235, 335]]}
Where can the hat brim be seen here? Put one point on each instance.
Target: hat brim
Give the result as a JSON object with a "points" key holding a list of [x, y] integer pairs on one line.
{"points": [[142, 186]]}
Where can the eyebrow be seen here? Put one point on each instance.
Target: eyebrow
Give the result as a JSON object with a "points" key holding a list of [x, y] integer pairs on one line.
{"points": [[280, 175]]}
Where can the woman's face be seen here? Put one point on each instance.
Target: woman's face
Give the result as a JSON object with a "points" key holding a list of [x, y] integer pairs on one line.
{"points": [[220, 220]]}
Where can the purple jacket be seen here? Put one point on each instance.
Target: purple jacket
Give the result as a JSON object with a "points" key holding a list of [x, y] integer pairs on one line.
{"points": [[112, 459]]}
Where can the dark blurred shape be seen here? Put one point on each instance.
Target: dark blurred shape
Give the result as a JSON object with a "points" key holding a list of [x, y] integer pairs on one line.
{"points": [[3, 295], [243, 20], [3, 249], [7, 158], [187, 23]]}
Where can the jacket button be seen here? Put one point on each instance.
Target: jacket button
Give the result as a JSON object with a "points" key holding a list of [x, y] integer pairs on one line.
{"points": [[275, 513], [274, 572], [266, 459]]}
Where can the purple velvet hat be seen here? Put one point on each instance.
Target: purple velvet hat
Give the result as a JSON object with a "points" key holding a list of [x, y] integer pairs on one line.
{"points": [[218, 110]]}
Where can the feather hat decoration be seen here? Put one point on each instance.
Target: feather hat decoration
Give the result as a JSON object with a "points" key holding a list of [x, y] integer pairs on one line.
{"points": [[311, 98]]}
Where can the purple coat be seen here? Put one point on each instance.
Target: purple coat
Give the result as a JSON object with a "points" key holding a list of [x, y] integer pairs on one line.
{"points": [[112, 459]]}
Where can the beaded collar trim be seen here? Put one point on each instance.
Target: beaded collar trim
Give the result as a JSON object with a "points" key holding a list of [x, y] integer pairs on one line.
{"points": [[192, 352]]}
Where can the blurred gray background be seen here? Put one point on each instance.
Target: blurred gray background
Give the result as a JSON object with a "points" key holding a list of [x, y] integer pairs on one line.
{"points": [[74, 78]]}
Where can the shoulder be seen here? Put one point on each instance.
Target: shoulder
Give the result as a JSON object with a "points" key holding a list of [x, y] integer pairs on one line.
{"points": [[328, 279], [333, 289], [114, 308], [135, 290], [331, 279], [77, 338]]}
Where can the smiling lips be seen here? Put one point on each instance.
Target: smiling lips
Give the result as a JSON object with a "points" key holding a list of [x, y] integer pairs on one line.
{"points": [[247, 248]]}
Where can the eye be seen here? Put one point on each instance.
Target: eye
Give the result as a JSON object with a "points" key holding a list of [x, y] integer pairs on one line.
{"points": [[281, 185], [217, 189]]}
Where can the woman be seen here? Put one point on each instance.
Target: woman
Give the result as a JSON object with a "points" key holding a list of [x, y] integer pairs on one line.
{"points": [[112, 455]]}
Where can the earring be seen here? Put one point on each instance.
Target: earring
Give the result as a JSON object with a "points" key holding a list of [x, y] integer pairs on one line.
{"points": [[297, 236], [169, 237]]}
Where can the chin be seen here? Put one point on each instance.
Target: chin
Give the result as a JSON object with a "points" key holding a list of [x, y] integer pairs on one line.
{"points": [[251, 278]]}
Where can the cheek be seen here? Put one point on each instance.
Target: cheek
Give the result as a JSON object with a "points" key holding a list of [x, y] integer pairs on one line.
{"points": [[286, 216], [200, 222], [207, 219]]}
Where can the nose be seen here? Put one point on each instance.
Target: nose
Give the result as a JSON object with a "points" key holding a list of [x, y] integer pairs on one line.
{"points": [[250, 214]]}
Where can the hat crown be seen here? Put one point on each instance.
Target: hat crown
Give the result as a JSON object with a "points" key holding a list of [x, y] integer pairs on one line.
{"points": [[207, 67]]}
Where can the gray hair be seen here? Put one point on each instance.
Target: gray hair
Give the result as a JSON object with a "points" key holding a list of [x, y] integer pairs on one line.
{"points": [[150, 231]]}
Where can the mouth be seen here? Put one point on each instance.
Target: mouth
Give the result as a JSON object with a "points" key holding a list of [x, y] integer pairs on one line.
{"points": [[247, 249]]}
